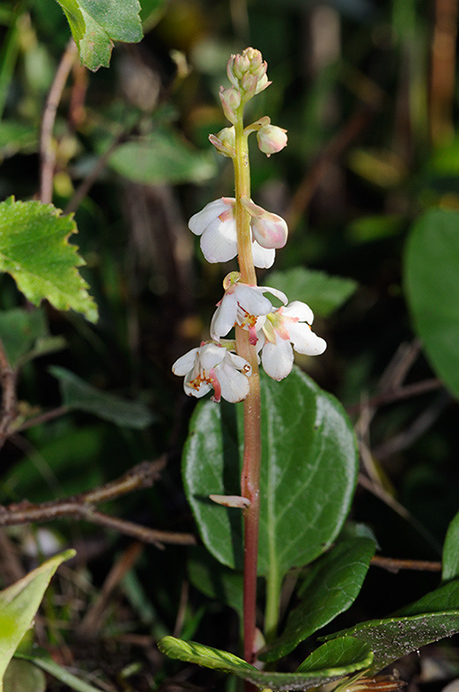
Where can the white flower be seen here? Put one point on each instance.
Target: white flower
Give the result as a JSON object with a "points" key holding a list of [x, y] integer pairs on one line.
{"points": [[286, 327], [244, 305], [216, 224], [212, 366]]}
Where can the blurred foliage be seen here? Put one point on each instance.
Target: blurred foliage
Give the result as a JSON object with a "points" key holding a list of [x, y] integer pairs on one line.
{"points": [[372, 151]]}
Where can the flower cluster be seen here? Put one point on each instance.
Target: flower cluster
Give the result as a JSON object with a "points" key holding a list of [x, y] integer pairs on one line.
{"points": [[274, 332]]}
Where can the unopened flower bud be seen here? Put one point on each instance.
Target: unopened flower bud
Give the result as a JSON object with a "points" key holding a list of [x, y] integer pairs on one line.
{"points": [[224, 142], [247, 72], [231, 100], [271, 139], [269, 230]]}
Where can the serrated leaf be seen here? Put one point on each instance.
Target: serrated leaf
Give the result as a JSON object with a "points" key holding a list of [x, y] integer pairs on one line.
{"points": [[330, 587], [226, 662], [34, 249], [307, 439], [162, 157], [432, 289], [59, 672], [78, 394], [95, 25], [391, 638], [451, 552], [24, 334], [19, 604], [323, 293]]}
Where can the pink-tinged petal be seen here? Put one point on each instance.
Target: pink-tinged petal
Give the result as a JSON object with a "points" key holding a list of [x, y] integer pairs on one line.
{"points": [[234, 384], [185, 363], [199, 221], [277, 359], [300, 311], [224, 317], [219, 241], [270, 232], [262, 257], [305, 341], [239, 362], [216, 385]]}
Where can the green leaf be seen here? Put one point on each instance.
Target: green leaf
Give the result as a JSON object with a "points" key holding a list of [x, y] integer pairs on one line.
{"points": [[16, 136], [391, 638], [432, 289], [214, 580], [34, 249], [95, 25], [19, 604], [25, 335], [346, 653], [367, 229], [22, 676], [59, 672], [78, 394], [330, 587], [323, 293], [443, 599], [451, 551], [313, 675], [307, 439], [162, 157]]}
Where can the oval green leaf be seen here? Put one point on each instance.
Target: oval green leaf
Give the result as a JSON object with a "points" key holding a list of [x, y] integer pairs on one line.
{"points": [[451, 551], [330, 587], [432, 289], [307, 440]]}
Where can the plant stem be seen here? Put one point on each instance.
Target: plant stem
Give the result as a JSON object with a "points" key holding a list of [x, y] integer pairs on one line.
{"points": [[250, 479]]}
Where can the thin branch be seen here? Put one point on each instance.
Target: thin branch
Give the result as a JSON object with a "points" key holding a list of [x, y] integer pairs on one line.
{"points": [[391, 395], [42, 418], [81, 507], [393, 564], [47, 152], [9, 403]]}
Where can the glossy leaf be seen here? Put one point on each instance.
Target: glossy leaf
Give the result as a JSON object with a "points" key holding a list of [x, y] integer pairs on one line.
{"points": [[346, 653], [432, 289], [451, 551], [330, 587], [391, 638], [307, 440], [323, 293], [444, 598], [78, 394], [95, 25], [30, 234], [162, 157], [24, 334], [19, 604], [47, 664], [347, 659]]}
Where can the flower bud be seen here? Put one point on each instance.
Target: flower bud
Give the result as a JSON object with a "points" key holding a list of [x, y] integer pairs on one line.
{"points": [[247, 72], [231, 100], [268, 229], [224, 142], [271, 139]]}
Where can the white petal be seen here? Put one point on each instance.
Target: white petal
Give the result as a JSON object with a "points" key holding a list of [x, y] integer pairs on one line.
{"points": [[239, 362], [251, 298], [299, 310], [219, 241], [211, 355], [185, 363], [275, 292], [277, 359], [262, 257], [234, 384], [199, 221], [198, 393], [304, 340], [224, 317]]}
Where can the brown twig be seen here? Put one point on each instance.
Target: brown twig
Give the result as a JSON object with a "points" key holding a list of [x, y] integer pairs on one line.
{"points": [[47, 152], [396, 394], [9, 403], [393, 564], [81, 507], [42, 418]]}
